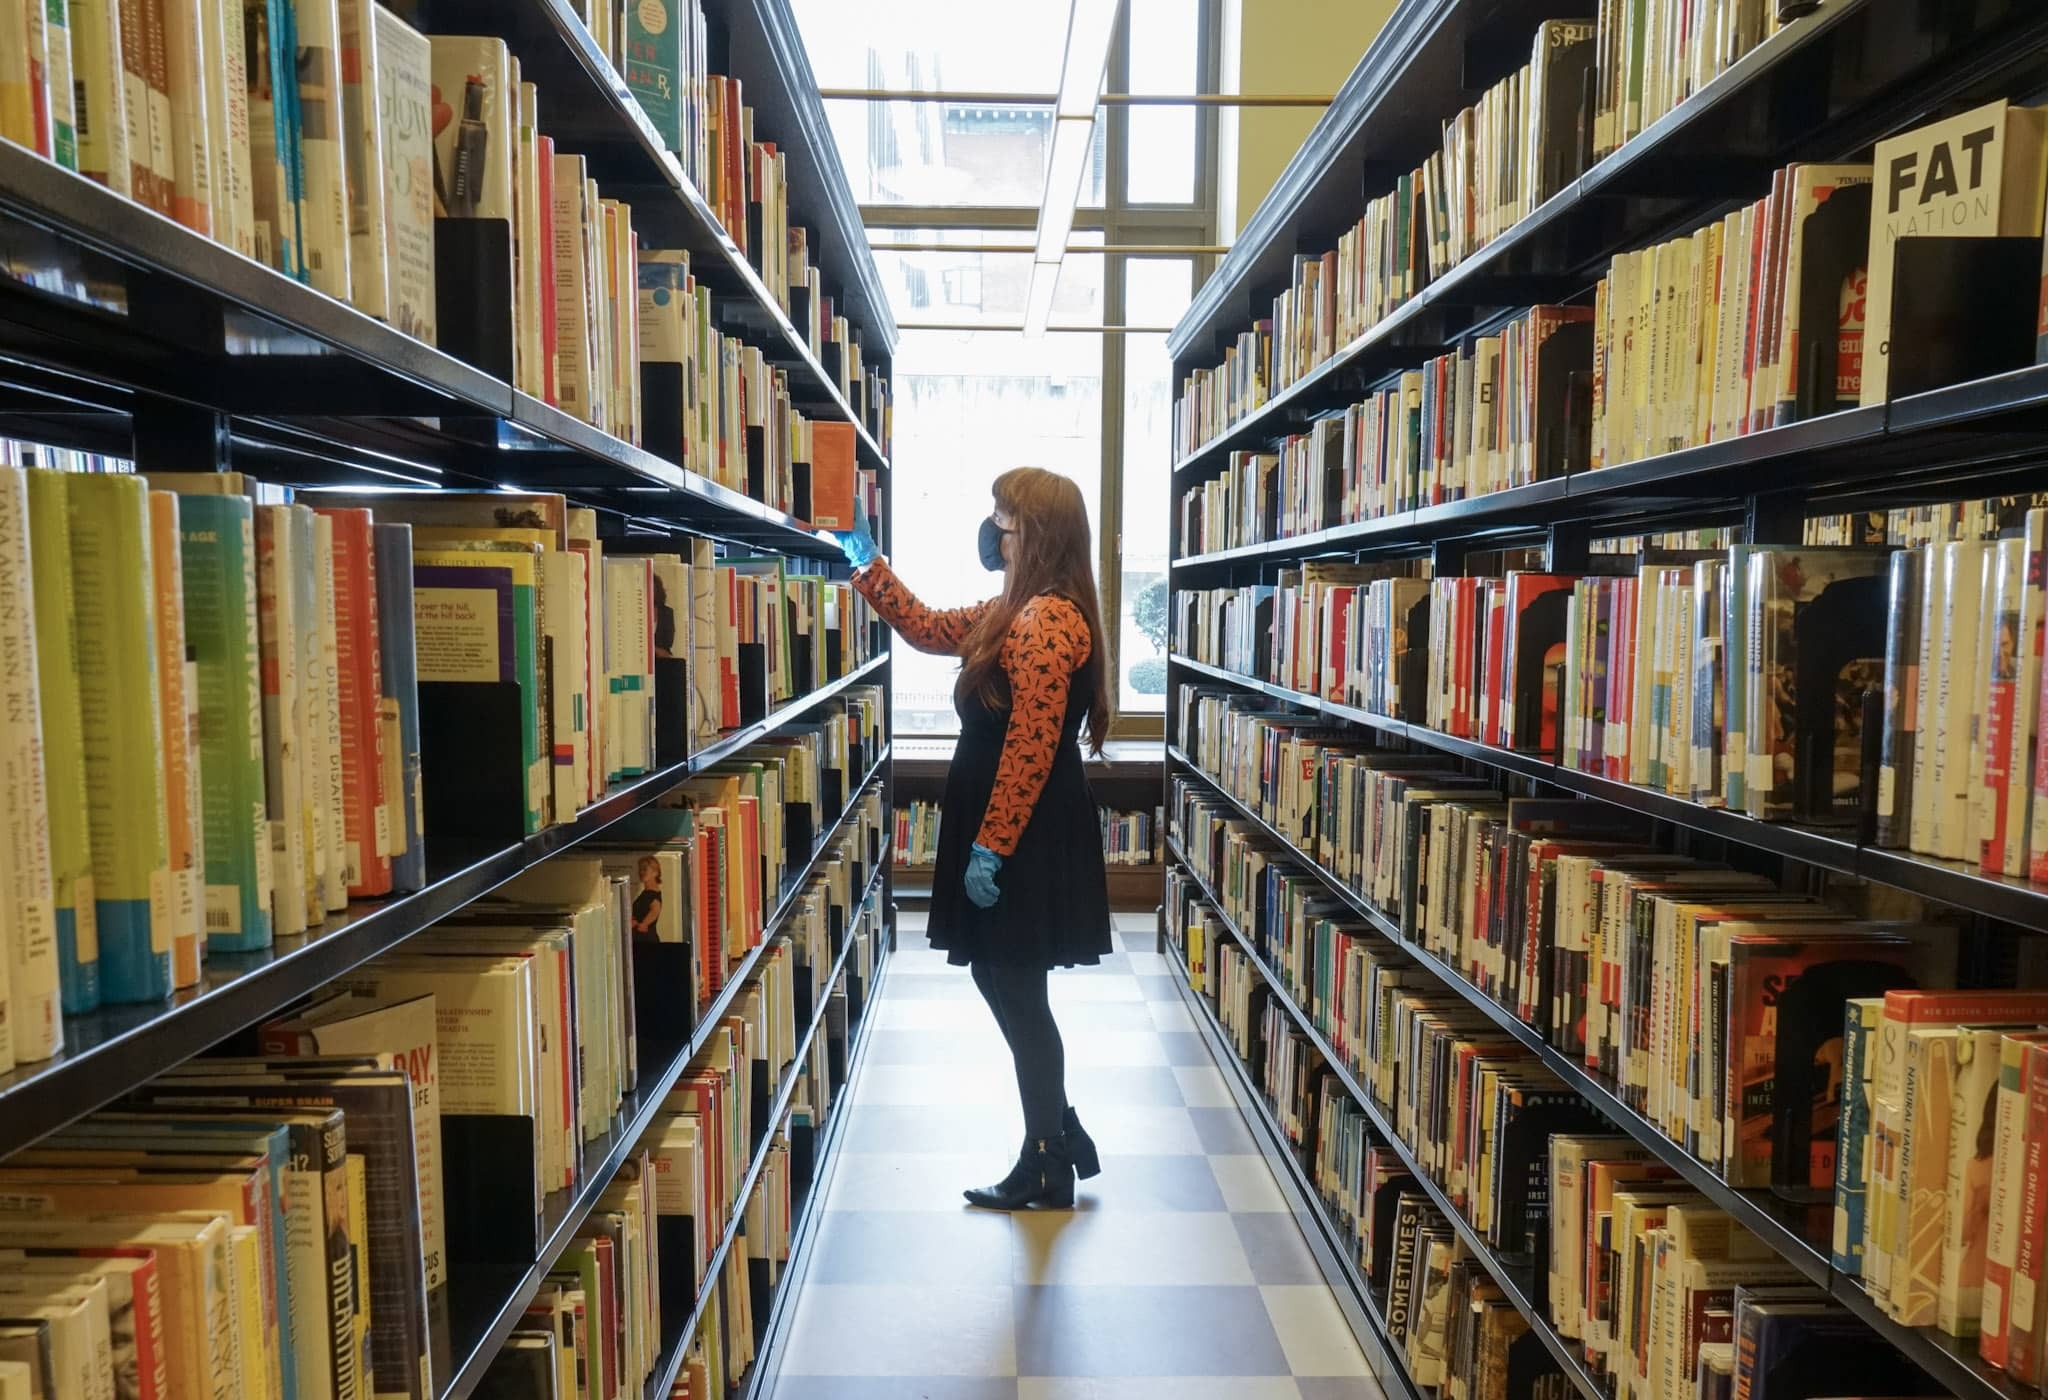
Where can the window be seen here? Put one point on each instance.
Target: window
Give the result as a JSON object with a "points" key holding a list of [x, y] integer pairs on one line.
{"points": [[950, 186]]}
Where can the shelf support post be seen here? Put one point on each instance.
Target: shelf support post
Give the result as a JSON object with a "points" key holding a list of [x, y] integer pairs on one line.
{"points": [[1567, 548], [171, 436], [1774, 519]]}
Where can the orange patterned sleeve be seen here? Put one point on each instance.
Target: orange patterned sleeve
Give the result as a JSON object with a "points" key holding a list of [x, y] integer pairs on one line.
{"points": [[1048, 642], [942, 631]]}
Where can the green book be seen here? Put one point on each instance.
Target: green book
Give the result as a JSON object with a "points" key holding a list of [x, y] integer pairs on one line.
{"points": [[123, 733], [654, 65], [218, 534], [49, 537]]}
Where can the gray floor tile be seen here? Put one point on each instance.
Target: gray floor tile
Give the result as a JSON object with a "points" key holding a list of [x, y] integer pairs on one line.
{"points": [[1185, 1048], [1222, 1130], [1273, 1244], [1110, 1086], [893, 1388], [1159, 1183], [899, 1128], [1082, 1330], [1338, 1388], [959, 1246], [1159, 988]]}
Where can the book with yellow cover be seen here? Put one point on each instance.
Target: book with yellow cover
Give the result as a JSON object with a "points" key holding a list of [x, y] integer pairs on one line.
{"points": [[29, 956], [121, 713], [77, 923]]}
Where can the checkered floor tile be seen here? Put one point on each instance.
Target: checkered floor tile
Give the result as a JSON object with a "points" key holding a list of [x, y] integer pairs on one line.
{"points": [[1179, 1273]]}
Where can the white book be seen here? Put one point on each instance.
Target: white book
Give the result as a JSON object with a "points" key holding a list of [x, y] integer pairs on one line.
{"points": [[100, 110], [192, 148], [2022, 738], [16, 1381], [1946, 726], [30, 1025], [314, 735], [568, 617], [573, 378], [628, 663], [227, 125], [333, 823], [531, 226], [484, 1008], [363, 146], [1933, 625], [79, 1330], [283, 717], [405, 63], [323, 161], [63, 96]]}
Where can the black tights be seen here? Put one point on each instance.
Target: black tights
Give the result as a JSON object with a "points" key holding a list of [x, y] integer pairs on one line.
{"points": [[1017, 998]]}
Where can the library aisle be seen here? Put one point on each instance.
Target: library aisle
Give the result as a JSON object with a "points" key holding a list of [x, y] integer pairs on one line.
{"points": [[1179, 1273]]}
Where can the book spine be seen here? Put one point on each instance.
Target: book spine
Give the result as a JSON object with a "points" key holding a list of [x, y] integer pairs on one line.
{"points": [[186, 80], [282, 717], [56, 658], [30, 1026], [360, 670], [401, 714], [327, 780], [131, 41], [361, 70], [405, 101], [124, 761], [1901, 700], [227, 102], [2023, 1329], [2008, 1181], [219, 547], [100, 93], [322, 120], [63, 120], [182, 829]]}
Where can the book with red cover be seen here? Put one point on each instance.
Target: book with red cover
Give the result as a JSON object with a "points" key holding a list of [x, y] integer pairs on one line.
{"points": [[834, 480], [365, 801]]}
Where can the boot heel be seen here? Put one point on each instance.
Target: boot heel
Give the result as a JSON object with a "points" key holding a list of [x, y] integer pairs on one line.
{"points": [[1086, 1162]]}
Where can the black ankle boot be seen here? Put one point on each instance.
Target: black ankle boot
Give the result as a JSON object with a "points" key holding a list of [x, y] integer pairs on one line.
{"points": [[1043, 1177], [1081, 1148]]}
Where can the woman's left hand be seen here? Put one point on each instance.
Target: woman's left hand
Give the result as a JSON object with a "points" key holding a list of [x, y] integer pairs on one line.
{"points": [[982, 865]]}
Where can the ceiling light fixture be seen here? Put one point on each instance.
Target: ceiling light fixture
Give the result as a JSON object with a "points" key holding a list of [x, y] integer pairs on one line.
{"points": [[1090, 26]]}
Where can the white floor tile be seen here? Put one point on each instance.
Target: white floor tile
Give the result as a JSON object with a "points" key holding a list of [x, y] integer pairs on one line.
{"points": [[1312, 1330], [1186, 1248], [1202, 1086], [1247, 1183], [901, 1330]]}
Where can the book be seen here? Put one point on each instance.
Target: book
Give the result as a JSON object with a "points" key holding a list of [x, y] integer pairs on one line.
{"points": [[399, 707], [323, 132], [360, 667], [405, 109], [184, 825], [362, 125], [284, 714], [1981, 174], [33, 965], [100, 93], [218, 549], [123, 741]]}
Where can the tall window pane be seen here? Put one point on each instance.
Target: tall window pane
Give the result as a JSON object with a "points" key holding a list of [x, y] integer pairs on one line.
{"points": [[969, 287], [1165, 59], [935, 45], [969, 406], [1156, 292]]}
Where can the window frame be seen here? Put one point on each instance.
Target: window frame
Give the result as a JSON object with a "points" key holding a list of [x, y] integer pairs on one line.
{"points": [[1160, 229]]}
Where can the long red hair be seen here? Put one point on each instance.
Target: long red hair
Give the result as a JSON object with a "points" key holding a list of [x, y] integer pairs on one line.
{"points": [[1049, 553]]}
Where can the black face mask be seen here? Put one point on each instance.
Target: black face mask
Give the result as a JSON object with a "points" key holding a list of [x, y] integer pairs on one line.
{"points": [[990, 543]]}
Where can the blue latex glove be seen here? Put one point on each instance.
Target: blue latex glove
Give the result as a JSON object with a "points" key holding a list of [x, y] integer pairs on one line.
{"points": [[858, 544], [982, 865]]}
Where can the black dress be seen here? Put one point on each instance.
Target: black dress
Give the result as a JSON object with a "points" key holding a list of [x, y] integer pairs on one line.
{"points": [[1054, 905]]}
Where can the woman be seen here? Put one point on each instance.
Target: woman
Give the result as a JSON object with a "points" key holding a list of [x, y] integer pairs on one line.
{"points": [[1018, 886]]}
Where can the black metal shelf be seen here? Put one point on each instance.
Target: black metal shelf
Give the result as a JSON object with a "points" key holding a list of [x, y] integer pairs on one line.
{"points": [[1252, 1101], [804, 1223], [2006, 898], [1515, 1281], [1823, 88], [112, 1050], [675, 1344], [489, 1308]]}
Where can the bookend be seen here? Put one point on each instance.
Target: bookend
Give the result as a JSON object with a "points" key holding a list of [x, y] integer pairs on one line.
{"points": [[661, 382], [760, 1284], [490, 1176], [675, 1243], [1564, 427], [801, 648], [830, 799], [800, 829], [835, 1038], [473, 293], [761, 1088], [671, 711], [806, 998], [470, 788], [664, 990], [1809, 1031], [757, 462], [1530, 1367], [800, 490], [1834, 243], [752, 665], [1954, 315], [1836, 635]]}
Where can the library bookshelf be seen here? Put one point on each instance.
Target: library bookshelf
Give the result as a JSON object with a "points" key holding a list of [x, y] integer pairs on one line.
{"points": [[1823, 87], [126, 334]]}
